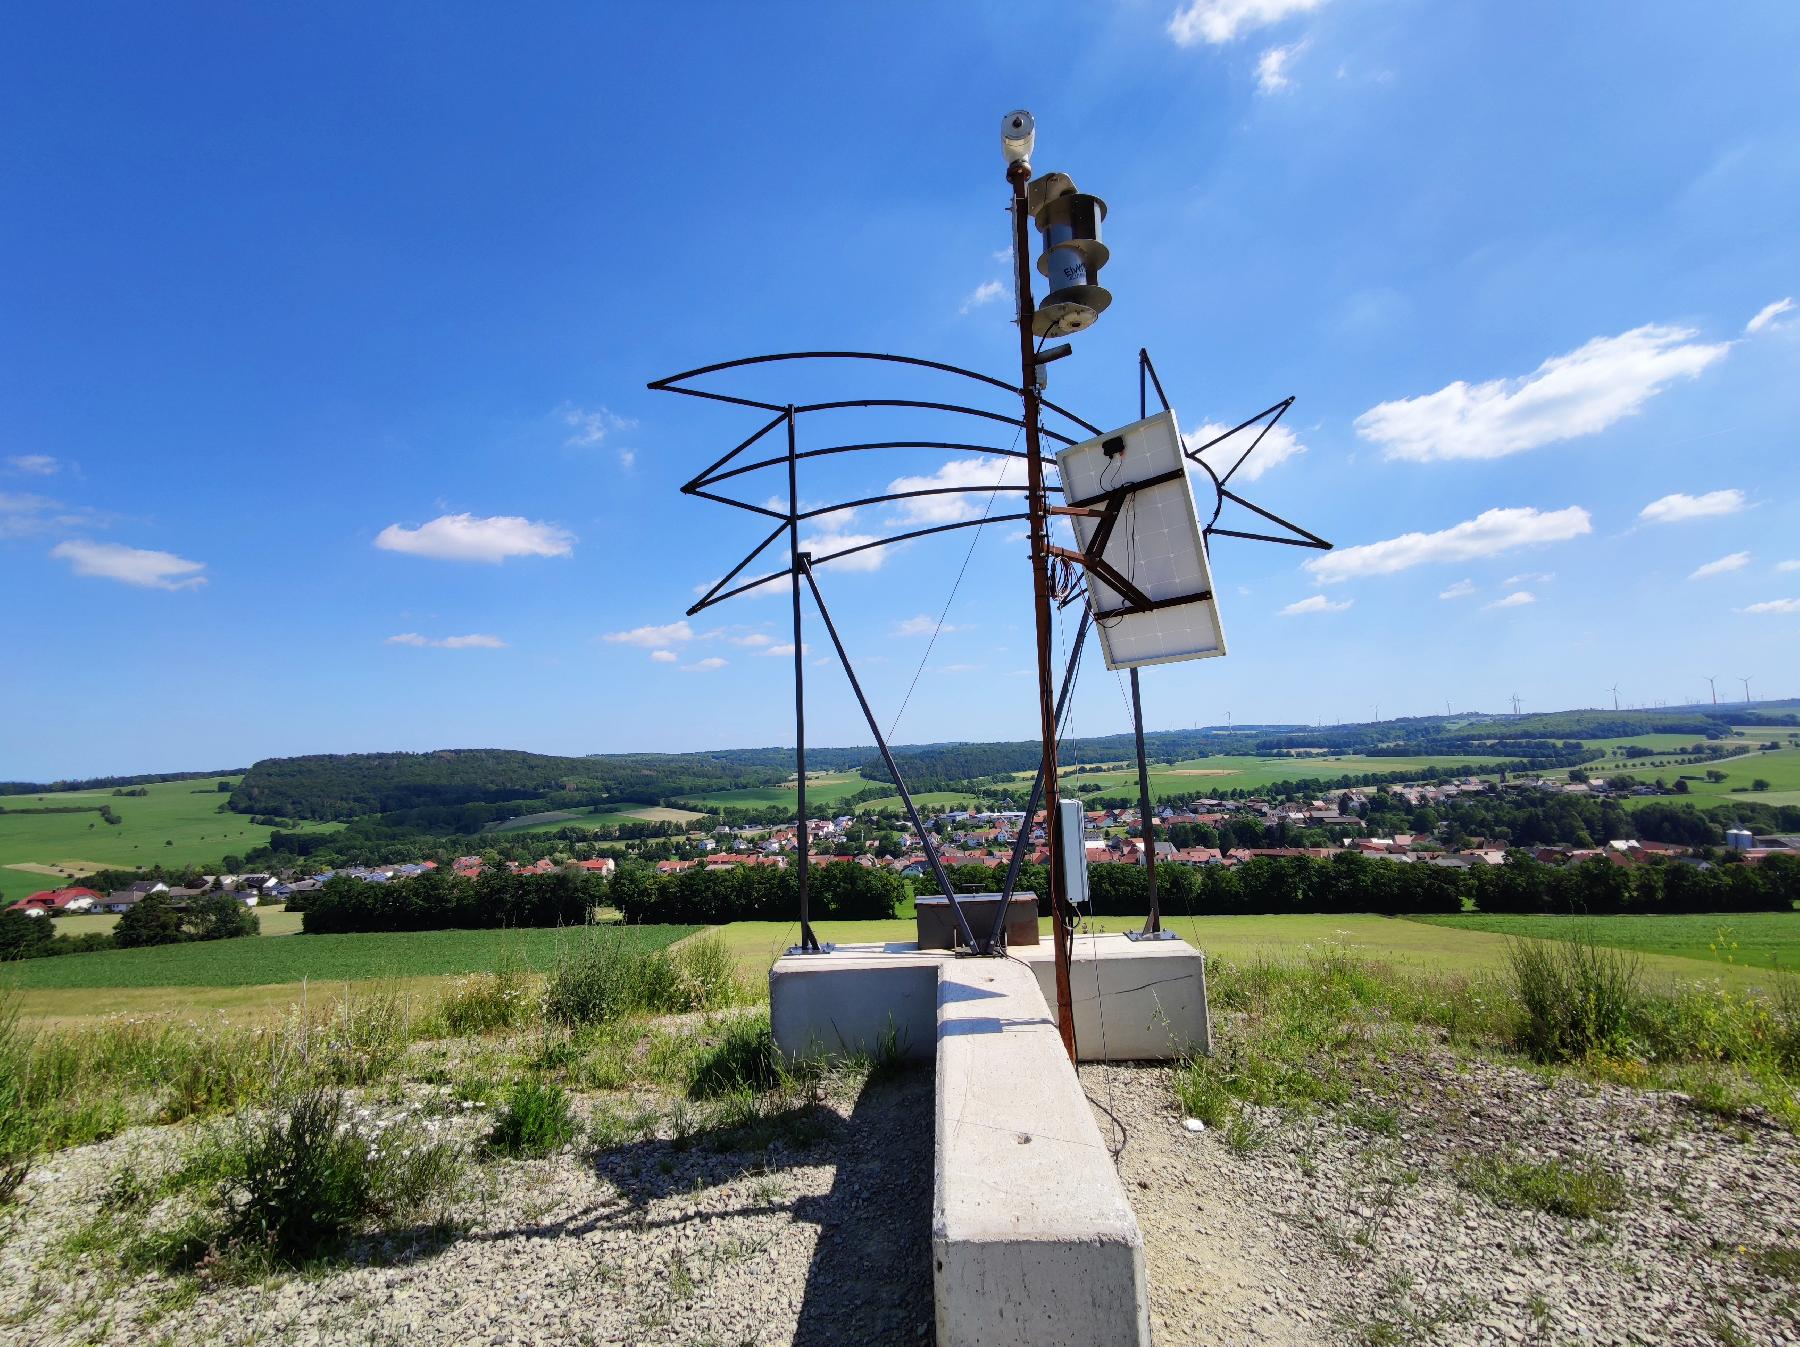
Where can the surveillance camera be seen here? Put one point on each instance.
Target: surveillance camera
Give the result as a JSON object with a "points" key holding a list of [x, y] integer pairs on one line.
{"points": [[1018, 134]]}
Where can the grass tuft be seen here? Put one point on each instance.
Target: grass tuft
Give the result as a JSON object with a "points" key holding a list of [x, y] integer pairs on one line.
{"points": [[1576, 997], [1575, 1191], [534, 1120]]}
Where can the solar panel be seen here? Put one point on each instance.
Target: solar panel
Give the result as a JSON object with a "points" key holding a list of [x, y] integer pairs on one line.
{"points": [[1153, 543]]}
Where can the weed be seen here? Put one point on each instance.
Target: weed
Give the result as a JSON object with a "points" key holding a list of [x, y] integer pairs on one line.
{"points": [[603, 980], [1377, 1121], [534, 1120], [744, 1059], [1777, 1260], [1575, 996], [1574, 1191], [486, 1003], [609, 1127]]}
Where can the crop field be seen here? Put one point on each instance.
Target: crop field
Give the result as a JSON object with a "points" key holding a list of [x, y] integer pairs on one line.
{"points": [[594, 818], [274, 920], [177, 823], [1751, 939], [822, 788], [320, 958]]}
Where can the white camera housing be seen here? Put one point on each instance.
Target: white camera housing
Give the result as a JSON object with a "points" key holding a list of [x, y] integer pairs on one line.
{"points": [[1018, 135]]}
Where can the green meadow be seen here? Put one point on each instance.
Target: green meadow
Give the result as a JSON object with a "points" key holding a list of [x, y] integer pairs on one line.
{"points": [[1746, 939], [176, 823], [1780, 768], [822, 788]]}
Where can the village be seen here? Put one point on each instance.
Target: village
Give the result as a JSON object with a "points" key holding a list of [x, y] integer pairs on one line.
{"points": [[1239, 830]]}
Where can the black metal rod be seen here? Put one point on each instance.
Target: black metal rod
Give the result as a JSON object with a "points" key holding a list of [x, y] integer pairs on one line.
{"points": [[699, 478], [705, 480], [1146, 828], [1145, 366], [667, 385], [804, 562], [992, 489], [1037, 784], [914, 403], [803, 834], [707, 599], [919, 533]]}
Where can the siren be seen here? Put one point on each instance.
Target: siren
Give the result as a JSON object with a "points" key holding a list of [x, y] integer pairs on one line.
{"points": [[1073, 254]]}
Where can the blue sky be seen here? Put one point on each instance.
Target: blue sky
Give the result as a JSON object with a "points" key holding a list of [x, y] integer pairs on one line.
{"points": [[330, 325]]}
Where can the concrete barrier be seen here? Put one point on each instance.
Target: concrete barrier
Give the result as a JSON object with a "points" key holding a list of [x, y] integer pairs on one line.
{"points": [[1033, 1241], [1134, 1000]]}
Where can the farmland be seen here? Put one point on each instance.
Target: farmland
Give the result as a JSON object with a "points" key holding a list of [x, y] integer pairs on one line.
{"points": [[552, 820], [175, 823], [822, 788], [1748, 939], [1779, 767]]}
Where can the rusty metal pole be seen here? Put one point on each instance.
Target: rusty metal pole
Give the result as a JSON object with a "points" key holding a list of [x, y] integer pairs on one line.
{"points": [[1018, 174]]}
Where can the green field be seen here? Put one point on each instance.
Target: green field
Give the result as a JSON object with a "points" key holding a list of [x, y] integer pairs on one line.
{"points": [[1750, 939], [1421, 946], [822, 788], [176, 824], [1780, 768], [592, 818], [320, 958], [274, 920]]}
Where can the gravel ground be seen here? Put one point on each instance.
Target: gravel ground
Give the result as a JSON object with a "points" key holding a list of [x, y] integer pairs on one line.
{"points": [[1323, 1232], [821, 1238]]}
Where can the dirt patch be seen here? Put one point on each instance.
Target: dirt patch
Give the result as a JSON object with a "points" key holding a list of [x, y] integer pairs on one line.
{"points": [[663, 814], [61, 868]]}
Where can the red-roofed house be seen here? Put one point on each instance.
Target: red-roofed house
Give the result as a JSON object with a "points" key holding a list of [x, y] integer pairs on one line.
{"points": [[57, 900]]}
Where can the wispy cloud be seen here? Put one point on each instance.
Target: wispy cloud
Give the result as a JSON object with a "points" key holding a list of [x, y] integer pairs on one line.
{"points": [[833, 533], [665, 656], [1736, 561], [1768, 314], [628, 459], [467, 537], [923, 626], [1460, 590], [34, 465], [587, 429], [1517, 599], [706, 665], [1567, 396], [1272, 68], [1219, 21], [1678, 507], [1788, 565], [143, 567], [805, 649], [1528, 578], [1488, 534], [985, 293], [1318, 603], [954, 505], [1277, 447], [473, 641], [26, 514], [1775, 606], [649, 638]]}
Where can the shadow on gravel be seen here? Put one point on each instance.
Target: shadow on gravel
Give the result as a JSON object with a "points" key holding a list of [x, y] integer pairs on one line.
{"points": [[870, 1277]]}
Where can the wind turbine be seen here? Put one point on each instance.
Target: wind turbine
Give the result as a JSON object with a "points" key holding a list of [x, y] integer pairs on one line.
{"points": [[1614, 689], [1745, 680], [1712, 682], [1515, 702]]}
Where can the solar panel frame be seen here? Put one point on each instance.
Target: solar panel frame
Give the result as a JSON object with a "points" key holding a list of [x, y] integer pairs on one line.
{"points": [[1156, 544]]}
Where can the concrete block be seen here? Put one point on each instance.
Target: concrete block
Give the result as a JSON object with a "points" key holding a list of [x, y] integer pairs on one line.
{"points": [[1033, 1241], [1134, 1000], [937, 926], [848, 1000]]}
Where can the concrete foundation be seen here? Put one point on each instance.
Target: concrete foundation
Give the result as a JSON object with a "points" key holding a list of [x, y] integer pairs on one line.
{"points": [[1034, 1242]]}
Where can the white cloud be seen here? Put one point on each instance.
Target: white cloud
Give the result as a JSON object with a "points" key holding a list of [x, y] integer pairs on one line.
{"points": [[664, 656], [1318, 603], [1272, 68], [1517, 599], [131, 565], [1788, 566], [1775, 606], [1488, 534], [467, 537], [922, 626], [587, 429], [34, 465], [1735, 562], [1277, 447], [1460, 590], [1528, 578], [960, 668], [1218, 21], [473, 641], [706, 665], [1678, 508], [976, 470], [751, 639], [652, 637], [985, 293], [830, 537], [1580, 393], [785, 650], [628, 459], [1768, 314]]}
